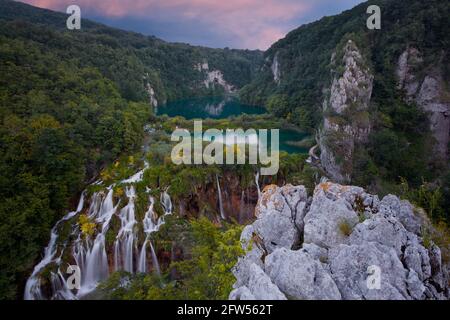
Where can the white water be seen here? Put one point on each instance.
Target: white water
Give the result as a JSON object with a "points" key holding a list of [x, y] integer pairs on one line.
{"points": [[124, 244], [152, 224], [166, 202], [90, 253], [138, 176], [257, 184], [155, 260], [222, 214], [33, 285], [92, 258]]}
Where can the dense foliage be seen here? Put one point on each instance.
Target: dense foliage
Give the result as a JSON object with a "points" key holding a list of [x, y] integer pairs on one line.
{"points": [[60, 122], [206, 275], [132, 61]]}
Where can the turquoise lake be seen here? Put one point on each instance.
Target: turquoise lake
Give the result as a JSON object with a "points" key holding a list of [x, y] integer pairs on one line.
{"points": [[221, 108]]}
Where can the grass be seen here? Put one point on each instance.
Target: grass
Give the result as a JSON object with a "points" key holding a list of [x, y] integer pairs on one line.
{"points": [[345, 228]]}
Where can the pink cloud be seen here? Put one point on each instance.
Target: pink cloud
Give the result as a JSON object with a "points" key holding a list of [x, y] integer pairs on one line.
{"points": [[253, 23]]}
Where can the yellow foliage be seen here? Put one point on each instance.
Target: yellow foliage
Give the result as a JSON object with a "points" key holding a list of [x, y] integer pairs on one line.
{"points": [[118, 192], [86, 226]]}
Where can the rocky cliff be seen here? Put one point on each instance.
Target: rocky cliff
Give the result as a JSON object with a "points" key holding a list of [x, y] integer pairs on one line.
{"points": [[429, 91], [341, 243], [345, 109]]}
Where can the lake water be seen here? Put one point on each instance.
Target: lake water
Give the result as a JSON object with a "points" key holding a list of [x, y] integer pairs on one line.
{"points": [[221, 108]]}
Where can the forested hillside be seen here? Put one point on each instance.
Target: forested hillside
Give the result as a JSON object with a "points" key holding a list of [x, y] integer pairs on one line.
{"points": [[131, 60], [72, 102]]}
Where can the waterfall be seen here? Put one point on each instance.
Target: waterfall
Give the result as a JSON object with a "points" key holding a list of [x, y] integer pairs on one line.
{"points": [[93, 259], [142, 267], [222, 214], [124, 244], [257, 184], [166, 202], [61, 292], [33, 285], [155, 260], [89, 253], [152, 224]]}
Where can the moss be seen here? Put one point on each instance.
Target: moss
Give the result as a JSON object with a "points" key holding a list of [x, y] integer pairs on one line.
{"points": [[345, 228]]}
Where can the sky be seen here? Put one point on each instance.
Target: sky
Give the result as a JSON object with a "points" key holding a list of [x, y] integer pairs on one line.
{"points": [[240, 24]]}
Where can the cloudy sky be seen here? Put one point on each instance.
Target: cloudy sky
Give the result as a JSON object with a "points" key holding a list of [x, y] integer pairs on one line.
{"points": [[243, 24]]}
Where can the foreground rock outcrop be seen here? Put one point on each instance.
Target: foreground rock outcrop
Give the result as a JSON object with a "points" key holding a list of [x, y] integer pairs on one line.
{"points": [[342, 243]]}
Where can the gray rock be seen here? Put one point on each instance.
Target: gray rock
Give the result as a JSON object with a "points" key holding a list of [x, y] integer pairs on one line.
{"points": [[438, 276], [402, 210], [383, 230], [241, 293], [350, 92], [299, 276], [416, 257], [350, 269], [258, 286], [428, 94], [416, 289], [316, 252], [328, 264], [279, 211], [325, 217]]}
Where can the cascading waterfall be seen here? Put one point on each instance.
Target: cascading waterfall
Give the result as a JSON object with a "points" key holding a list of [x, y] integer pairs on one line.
{"points": [[222, 214], [61, 292], [90, 253], [155, 260], [166, 202], [124, 244], [152, 224], [94, 261], [33, 285], [149, 227]]}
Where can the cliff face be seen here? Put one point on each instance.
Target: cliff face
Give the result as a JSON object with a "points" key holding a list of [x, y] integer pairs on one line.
{"points": [[345, 113], [428, 91], [342, 243]]}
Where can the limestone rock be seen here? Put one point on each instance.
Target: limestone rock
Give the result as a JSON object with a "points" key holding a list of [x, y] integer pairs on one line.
{"points": [[298, 249], [299, 276], [323, 222], [258, 286]]}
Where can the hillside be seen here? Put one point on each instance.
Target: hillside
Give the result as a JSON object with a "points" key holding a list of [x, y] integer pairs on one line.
{"points": [[134, 62]]}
